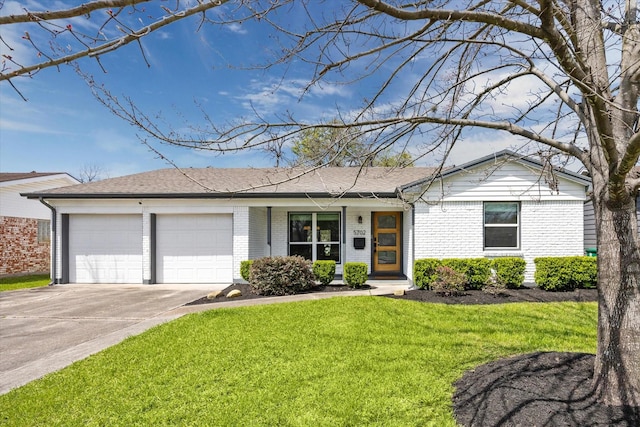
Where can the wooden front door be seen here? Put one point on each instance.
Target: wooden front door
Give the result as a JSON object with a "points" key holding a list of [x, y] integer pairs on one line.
{"points": [[387, 242]]}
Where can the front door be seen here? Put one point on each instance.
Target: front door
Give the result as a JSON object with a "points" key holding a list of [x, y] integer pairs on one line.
{"points": [[387, 245]]}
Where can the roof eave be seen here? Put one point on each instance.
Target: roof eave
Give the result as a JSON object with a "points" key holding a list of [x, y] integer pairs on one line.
{"points": [[128, 196], [493, 157]]}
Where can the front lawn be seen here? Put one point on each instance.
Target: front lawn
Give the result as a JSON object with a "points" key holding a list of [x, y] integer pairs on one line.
{"points": [[23, 282], [345, 361]]}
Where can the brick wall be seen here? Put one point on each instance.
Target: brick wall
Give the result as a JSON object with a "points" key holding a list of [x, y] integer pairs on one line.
{"points": [[455, 230], [20, 252]]}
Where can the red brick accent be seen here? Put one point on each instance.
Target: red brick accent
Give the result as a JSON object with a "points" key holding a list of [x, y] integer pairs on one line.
{"points": [[20, 252]]}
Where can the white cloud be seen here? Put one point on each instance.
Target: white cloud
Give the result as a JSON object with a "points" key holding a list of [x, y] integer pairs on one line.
{"points": [[236, 28]]}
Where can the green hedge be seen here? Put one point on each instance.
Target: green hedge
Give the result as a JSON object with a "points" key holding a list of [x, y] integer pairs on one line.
{"points": [[245, 269], [566, 273], [281, 275], [424, 272], [477, 271], [324, 271], [510, 271], [355, 274]]}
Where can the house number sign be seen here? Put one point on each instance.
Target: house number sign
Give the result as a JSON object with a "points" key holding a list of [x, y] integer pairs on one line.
{"points": [[359, 232]]}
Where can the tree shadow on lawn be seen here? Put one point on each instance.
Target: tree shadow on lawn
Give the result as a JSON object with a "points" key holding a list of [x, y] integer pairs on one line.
{"points": [[537, 389]]}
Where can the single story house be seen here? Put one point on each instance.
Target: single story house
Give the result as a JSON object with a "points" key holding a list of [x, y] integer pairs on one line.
{"points": [[25, 224], [197, 225]]}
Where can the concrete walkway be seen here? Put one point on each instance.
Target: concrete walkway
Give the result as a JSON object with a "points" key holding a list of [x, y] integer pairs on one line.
{"points": [[45, 329]]}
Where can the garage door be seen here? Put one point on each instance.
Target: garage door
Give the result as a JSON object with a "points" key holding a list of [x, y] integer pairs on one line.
{"points": [[194, 248], [105, 248]]}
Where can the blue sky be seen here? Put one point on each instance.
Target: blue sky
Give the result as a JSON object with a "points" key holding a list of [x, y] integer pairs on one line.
{"points": [[62, 127]]}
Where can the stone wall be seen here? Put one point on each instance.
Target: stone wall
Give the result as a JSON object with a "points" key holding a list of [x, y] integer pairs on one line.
{"points": [[20, 252]]}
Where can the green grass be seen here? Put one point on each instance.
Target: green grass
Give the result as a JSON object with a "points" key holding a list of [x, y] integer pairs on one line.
{"points": [[338, 362], [24, 282]]}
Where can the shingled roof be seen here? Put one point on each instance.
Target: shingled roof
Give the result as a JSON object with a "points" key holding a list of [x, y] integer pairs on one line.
{"points": [[247, 182], [16, 176]]}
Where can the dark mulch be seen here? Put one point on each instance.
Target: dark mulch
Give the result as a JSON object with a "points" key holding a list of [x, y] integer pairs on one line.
{"points": [[247, 293], [539, 389], [509, 295]]}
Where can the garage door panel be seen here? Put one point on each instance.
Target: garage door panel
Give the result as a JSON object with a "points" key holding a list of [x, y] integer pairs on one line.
{"points": [[105, 248], [194, 248]]}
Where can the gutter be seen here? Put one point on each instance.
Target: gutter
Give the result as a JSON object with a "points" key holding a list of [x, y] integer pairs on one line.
{"points": [[54, 240], [229, 196]]}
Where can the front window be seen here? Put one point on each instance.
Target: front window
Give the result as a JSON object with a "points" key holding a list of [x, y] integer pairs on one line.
{"points": [[44, 231], [501, 223], [315, 236]]}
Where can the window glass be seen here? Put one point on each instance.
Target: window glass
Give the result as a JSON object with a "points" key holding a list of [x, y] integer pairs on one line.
{"points": [[328, 252], [303, 250], [501, 237], [386, 239], [324, 244], [386, 221], [300, 228], [501, 221], [328, 227], [501, 213], [44, 231], [387, 257]]}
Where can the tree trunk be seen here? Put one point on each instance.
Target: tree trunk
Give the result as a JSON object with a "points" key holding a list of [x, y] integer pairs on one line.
{"points": [[617, 366]]}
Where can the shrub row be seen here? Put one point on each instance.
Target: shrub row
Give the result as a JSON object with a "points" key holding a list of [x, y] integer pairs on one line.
{"points": [[293, 274], [566, 273], [509, 271]]}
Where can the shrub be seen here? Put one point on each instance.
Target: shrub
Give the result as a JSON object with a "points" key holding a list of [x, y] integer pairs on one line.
{"points": [[510, 271], [281, 275], [475, 270], [424, 272], [324, 271], [494, 285], [584, 271], [355, 274], [245, 269], [565, 273], [449, 281]]}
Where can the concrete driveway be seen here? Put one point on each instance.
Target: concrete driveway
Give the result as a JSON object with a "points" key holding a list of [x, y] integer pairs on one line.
{"points": [[45, 329]]}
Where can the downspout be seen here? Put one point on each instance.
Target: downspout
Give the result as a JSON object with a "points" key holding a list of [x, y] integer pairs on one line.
{"points": [[54, 240], [343, 246], [413, 245], [269, 228]]}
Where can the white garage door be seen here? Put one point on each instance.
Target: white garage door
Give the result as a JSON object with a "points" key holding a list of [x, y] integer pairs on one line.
{"points": [[105, 248], [194, 248]]}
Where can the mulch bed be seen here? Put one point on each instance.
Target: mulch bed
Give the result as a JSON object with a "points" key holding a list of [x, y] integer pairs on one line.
{"points": [[247, 293], [538, 389], [509, 295]]}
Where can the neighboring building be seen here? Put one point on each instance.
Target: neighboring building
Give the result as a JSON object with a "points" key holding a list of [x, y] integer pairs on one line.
{"points": [[197, 225], [590, 236], [25, 225]]}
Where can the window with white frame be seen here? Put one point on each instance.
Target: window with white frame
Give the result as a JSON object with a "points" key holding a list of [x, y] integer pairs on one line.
{"points": [[44, 231], [315, 235], [501, 225]]}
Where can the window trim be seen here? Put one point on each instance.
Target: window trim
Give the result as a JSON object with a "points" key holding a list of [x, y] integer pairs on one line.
{"points": [[314, 234], [517, 226]]}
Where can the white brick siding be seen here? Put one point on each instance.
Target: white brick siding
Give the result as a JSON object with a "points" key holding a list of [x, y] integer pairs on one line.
{"points": [[448, 230], [550, 229], [455, 230], [279, 232], [258, 246], [353, 228], [240, 239]]}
